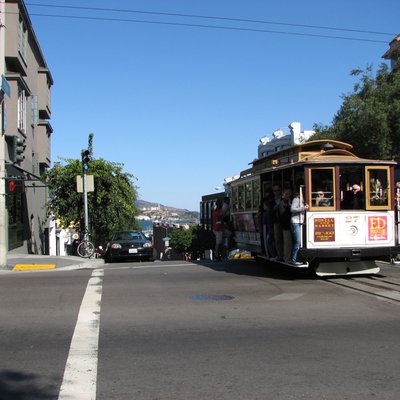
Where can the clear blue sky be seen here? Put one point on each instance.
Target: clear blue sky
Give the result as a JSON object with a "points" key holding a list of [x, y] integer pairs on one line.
{"points": [[183, 107]]}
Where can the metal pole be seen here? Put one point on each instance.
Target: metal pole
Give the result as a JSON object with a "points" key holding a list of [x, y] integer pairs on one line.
{"points": [[3, 211], [85, 201]]}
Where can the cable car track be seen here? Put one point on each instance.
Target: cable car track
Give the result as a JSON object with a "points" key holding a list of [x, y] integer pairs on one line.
{"points": [[380, 286]]}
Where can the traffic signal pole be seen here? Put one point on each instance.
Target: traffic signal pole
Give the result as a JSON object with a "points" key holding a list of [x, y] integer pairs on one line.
{"points": [[85, 166], [3, 211], [85, 201]]}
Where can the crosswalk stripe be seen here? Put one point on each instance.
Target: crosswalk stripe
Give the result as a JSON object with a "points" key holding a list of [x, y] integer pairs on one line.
{"points": [[80, 375]]}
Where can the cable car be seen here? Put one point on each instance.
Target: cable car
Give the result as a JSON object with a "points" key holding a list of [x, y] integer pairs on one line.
{"points": [[351, 217]]}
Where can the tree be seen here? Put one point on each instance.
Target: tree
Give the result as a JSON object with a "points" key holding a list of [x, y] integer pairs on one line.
{"points": [[369, 118], [111, 206]]}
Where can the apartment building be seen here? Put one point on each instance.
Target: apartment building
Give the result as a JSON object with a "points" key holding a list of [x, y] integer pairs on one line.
{"points": [[393, 53], [26, 113]]}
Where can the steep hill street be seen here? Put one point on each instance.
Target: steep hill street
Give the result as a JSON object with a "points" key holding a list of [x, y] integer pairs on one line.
{"points": [[179, 330]]}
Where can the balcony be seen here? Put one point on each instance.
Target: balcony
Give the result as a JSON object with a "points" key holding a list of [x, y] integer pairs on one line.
{"points": [[44, 131], [44, 96], [16, 55]]}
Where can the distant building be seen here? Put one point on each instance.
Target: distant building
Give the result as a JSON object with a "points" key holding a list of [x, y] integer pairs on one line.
{"points": [[143, 218], [207, 207], [26, 114], [283, 138], [394, 51]]}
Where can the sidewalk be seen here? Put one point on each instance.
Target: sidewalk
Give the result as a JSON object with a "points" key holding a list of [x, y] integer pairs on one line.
{"points": [[33, 262]]}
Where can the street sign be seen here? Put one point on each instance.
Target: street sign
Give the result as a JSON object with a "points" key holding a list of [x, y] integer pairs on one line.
{"points": [[5, 87], [89, 183]]}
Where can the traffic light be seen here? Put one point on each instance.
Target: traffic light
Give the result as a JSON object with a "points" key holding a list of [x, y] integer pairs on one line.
{"points": [[16, 148], [85, 160], [19, 148]]}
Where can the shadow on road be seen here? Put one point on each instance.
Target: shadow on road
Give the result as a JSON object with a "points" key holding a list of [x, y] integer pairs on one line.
{"points": [[252, 267], [15, 385]]}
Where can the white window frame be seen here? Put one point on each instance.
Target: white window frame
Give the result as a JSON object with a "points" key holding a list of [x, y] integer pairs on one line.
{"points": [[35, 110], [21, 110]]}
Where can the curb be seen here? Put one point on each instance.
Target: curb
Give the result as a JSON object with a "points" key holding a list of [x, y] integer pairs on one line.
{"points": [[16, 263]]}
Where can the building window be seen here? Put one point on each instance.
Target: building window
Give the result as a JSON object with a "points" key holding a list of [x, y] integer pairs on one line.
{"points": [[34, 110], [22, 39], [21, 110]]}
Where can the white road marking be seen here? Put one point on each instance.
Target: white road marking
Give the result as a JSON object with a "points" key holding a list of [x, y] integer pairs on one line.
{"points": [[80, 375], [149, 266], [287, 296], [390, 294]]}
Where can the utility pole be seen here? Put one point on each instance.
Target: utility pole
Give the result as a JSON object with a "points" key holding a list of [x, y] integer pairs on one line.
{"points": [[3, 211]]}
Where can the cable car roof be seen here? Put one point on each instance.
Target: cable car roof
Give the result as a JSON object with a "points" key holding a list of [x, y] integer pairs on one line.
{"points": [[322, 150]]}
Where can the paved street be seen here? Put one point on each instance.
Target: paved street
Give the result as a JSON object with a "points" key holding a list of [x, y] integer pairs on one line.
{"points": [[176, 330]]}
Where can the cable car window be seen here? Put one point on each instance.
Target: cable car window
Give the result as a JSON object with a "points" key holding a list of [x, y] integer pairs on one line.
{"points": [[322, 188], [248, 195], [352, 188], [235, 201], [378, 188], [241, 197], [256, 194]]}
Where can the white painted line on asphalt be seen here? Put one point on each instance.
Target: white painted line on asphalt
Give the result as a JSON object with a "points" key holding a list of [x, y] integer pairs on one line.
{"points": [[287, 296], [390, 294], [150, 266], [80, 375]]}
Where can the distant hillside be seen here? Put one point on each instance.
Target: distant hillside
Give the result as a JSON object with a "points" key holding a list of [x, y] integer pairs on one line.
{"points": [[183, 213]]}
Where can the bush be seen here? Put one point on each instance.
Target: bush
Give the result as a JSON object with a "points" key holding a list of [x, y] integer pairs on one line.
{"points": [[181, 240], [194, 240]]}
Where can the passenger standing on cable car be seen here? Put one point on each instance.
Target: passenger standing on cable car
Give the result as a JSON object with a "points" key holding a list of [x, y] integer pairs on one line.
{"points": [[218, 229], [267, 225], [397, 198], [228, 228], [278, 238], [297, 208], [285, 216]]}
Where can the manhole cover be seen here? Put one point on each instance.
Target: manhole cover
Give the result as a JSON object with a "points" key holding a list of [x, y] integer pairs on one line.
{"points": [[211, 297]]}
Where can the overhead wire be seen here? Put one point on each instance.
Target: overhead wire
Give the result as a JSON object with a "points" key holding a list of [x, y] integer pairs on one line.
{"points": [[208, 17], [193, 25]]}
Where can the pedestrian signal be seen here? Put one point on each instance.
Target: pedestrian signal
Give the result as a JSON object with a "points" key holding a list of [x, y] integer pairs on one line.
{"points": [[14, 186]]}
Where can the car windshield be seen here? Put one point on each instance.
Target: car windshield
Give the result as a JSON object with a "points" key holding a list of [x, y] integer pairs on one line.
{"points": [[128, 236]]}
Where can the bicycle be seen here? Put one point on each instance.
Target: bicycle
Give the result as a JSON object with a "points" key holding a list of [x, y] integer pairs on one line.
{"points": [[86, 247]]}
